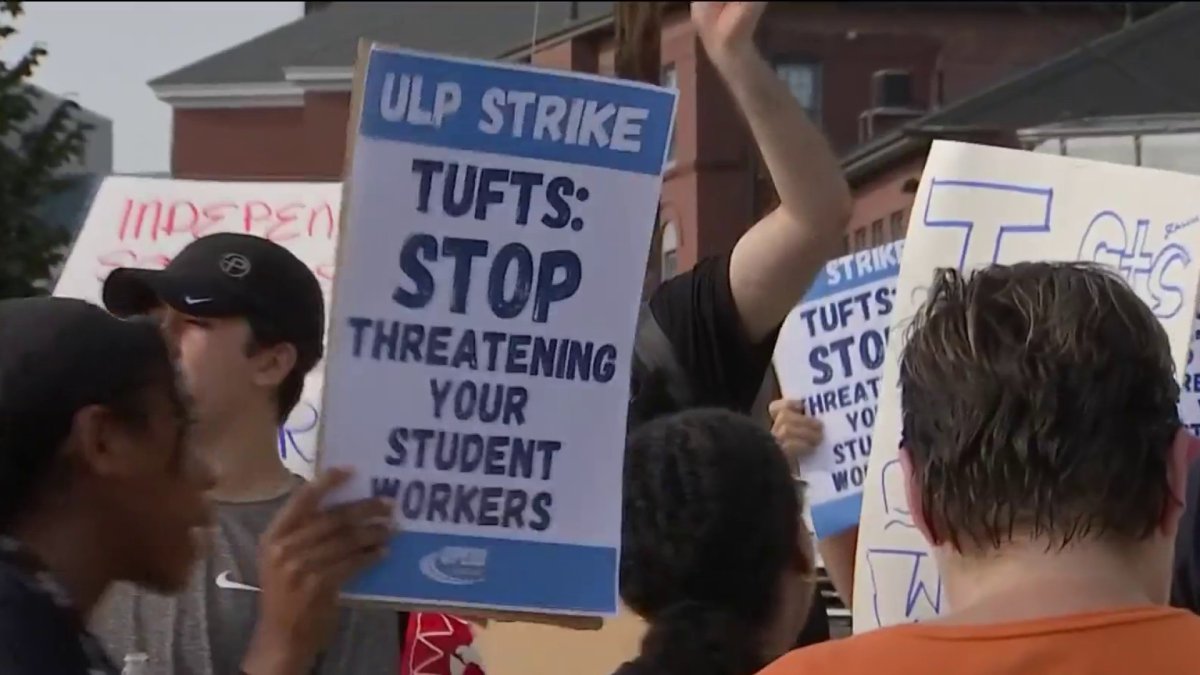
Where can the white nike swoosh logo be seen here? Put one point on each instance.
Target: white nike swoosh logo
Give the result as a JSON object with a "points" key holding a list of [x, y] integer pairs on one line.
{"points": [[225, 581], [195, 301]]}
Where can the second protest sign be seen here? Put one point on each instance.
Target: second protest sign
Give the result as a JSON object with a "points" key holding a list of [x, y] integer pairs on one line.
{"points": [[497, 225]]}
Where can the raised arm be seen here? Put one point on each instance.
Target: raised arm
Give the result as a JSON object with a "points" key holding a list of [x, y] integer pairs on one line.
{"points": [[774, 263]]}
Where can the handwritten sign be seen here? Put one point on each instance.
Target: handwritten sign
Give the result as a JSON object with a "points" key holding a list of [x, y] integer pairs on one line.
{"points": [[980, 205], [830, 356], [145, 222], [498, 224]]}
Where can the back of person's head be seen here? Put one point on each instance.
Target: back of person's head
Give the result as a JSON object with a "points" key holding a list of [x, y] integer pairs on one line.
{"points": [[1039, 406], [92, 429], [714, 553]]}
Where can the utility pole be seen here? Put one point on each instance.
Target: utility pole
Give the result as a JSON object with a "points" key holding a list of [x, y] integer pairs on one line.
{"points": [[639, 41], [638, 57]]}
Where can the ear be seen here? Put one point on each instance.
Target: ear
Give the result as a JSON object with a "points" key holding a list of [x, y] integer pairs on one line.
{"points": [[97, 443], [272, 364], [912, 492], [1184, 450]]}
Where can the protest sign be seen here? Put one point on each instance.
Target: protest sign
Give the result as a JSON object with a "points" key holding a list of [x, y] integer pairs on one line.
{"points": [[1189, 396], [979, 205], [498, 221], [144, 222], [830, 357]]}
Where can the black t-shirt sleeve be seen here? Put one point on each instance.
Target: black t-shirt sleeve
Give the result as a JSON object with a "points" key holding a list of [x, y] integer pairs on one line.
{"points": [[1185, 582], [696, 311], [34, 639]]}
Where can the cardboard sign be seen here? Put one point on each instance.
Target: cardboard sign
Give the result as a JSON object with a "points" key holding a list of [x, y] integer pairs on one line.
{"points": [[144, 222], [830, 356], [498, 224], [980, 205]]}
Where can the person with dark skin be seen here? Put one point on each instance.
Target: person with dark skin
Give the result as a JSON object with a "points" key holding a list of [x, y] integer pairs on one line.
{"points": [[715, 555], [98, 484], [244, 321]]}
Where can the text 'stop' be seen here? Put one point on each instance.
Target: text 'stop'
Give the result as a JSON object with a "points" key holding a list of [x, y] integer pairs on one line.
{"points": [[539, 115]]}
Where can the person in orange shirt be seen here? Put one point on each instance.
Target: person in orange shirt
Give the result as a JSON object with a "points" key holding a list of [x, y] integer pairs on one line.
{"points": [[1045, 463]]}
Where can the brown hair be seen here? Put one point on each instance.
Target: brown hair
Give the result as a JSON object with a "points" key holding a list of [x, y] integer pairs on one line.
{"points": [[1039, 401]]}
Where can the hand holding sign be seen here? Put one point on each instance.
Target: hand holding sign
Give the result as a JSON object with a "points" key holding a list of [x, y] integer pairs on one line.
{"points": [[306, 556], [796, 432]]}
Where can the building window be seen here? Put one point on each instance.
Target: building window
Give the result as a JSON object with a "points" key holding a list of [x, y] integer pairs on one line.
{"points": [[670, 80], [1114, 149], [877, 233], [803, 79], [670, 251], [897, 225], [860, 239], [1173, 151]]}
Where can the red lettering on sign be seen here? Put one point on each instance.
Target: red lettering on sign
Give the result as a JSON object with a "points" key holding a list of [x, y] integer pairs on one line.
{"points": [[149, 220]]}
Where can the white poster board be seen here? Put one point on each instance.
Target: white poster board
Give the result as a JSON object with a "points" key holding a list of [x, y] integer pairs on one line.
{"points": [[498, 225], [144, 222], [978, 205], [830, 356]]}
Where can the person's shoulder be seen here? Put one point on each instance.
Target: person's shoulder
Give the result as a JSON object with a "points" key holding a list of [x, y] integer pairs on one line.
{"points": [[703, 281], [834, 656], [35, 635], [1186, 620]]}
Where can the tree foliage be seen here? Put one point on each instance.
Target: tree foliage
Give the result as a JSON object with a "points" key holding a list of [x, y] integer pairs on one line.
{"points": [[33, 147]]}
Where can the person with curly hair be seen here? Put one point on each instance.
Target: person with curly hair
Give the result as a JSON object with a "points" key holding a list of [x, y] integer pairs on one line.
{"points": [[715, 556]]}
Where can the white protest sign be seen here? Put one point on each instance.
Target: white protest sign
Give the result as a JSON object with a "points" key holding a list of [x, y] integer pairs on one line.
{"points": [[498, 224], [1189, 397], [145, 222], [979, 205], [830, 356]]}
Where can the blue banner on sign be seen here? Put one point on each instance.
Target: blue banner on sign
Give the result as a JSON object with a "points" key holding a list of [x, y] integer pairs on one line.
{"points": [[504, 110], [423, 567]]}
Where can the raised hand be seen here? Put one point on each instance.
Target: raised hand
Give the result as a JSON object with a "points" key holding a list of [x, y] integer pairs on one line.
{"points": [[726, 28]]}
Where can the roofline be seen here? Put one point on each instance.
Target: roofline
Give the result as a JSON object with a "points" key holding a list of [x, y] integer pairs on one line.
{"points": [[1113, 125], [320, 78], [239, 95], [298, 80], [861, 166], [527, 49]]}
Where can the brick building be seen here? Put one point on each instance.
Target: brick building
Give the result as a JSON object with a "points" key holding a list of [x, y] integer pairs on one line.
{"points": [[1124, 97], [276, 107]]}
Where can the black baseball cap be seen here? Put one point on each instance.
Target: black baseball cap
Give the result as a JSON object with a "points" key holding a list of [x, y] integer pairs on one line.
{"points": [[57, 356], [230, 275]]}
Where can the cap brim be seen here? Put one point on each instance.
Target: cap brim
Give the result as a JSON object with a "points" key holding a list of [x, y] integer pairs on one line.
{"points": [[129, 291]]}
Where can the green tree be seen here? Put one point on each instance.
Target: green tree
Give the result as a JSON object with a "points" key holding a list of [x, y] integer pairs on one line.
{"points": [[31, 152]]}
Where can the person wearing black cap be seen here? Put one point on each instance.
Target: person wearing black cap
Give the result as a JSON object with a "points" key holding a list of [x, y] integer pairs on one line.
{"points": [[96, 484], [244, 318]]}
